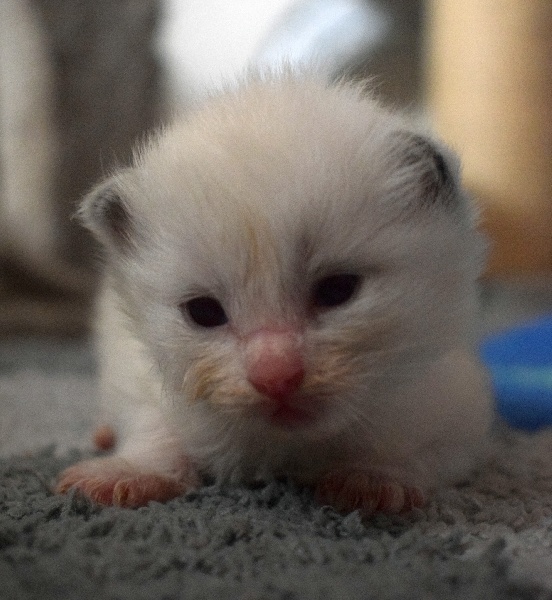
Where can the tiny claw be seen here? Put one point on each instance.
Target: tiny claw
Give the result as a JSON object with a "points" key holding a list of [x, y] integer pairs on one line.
{"points": [[368, 493]]}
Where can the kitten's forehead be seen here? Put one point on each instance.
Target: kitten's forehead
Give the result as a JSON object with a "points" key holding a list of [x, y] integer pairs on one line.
{"points": [[266, 179], [258, 216], [275, 156], [266, 139]]}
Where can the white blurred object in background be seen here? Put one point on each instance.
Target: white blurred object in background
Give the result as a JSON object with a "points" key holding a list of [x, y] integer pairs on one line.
{"points": [[205, 42]]}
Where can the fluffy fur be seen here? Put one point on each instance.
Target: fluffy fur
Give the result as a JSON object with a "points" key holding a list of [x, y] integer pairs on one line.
{"points": [[253, 200]]}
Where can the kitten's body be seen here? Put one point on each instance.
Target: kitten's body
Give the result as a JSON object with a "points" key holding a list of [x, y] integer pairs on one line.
{"points": [[343, 255]]}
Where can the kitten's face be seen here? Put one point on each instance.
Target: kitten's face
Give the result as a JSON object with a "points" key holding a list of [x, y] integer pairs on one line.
{"points": [[284, 276]]}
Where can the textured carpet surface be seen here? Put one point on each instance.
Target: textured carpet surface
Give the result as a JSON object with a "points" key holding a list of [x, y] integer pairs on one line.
{"points": [[488, 538]]}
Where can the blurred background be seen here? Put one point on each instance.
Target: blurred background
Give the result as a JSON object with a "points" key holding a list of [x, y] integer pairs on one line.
{"points": [[82, 80]]}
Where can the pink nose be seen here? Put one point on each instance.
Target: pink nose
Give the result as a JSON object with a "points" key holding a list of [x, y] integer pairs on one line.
{"points": [[274, 363], [279, 384]]}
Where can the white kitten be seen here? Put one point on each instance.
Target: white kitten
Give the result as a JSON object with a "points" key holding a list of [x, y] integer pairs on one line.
{"points": [[290, 289]]}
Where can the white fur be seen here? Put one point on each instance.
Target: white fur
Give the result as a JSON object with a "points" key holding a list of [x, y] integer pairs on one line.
{"points": [[252, 199]]}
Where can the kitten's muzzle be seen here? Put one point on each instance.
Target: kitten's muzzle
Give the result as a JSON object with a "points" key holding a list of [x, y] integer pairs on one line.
{"points": [[275, 368]]}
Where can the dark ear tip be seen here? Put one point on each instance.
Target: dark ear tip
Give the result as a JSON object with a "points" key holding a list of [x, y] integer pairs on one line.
{"points": [[434, 155], [430, 166]]}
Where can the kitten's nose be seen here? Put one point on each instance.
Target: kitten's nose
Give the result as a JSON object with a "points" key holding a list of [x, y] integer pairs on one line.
{"points": [[274, 362]]}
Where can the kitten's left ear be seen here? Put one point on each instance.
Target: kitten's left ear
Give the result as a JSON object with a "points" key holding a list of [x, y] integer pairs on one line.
{"points": [[428, 171]]}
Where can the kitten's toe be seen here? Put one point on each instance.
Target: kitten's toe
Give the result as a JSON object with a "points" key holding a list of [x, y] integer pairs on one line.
{"points": [[368, 493], [114, 481]]}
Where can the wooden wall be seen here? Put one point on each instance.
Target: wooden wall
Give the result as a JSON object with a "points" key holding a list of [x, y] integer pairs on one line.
{"points": [[489, 92]]}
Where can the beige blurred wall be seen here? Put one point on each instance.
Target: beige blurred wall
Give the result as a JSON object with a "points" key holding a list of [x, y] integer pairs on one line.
{"points": [[489, 93]]}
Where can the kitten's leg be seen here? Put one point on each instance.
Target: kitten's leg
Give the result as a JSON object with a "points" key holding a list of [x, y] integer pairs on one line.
{"points": [[368, 492], [151, 465]]}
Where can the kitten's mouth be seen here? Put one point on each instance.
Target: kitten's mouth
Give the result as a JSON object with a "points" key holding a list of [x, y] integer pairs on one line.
{"points": [[290, 416]]}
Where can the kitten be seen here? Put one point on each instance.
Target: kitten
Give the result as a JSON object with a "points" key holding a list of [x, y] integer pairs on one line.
{"points": [[289, 290]]}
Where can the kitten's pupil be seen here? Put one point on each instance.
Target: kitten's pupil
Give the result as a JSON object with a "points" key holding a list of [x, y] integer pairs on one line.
{"points": [[335, 290], [206, 311]]}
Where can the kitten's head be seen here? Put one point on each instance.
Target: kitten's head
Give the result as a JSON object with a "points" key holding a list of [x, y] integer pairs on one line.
{"points": [[288, 252]]}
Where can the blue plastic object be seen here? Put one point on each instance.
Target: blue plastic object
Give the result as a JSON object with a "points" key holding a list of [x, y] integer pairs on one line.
{"points": [[520, 363]]}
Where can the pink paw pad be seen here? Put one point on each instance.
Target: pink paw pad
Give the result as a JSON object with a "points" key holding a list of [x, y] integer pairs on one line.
{"points": [[115, 482], [369, 493]]}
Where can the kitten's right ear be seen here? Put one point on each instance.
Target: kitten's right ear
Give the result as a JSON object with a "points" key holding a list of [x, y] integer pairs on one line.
{"points": [[105, 211], [427, 170]]}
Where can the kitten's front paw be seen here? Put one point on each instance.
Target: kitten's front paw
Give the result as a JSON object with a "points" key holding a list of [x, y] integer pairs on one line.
{"points": [[368, 493], [116, 481]]}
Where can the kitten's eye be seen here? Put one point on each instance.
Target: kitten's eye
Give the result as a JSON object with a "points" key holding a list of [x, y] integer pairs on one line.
{"points": [[335, 290], [205, 311]]}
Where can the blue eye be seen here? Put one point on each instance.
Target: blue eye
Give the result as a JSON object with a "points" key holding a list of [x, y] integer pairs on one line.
{"points": [[335, 290], [205, 311]]}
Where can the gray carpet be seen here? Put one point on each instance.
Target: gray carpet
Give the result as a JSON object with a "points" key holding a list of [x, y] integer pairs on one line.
{"points": [[489, 538]]}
